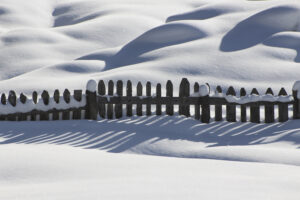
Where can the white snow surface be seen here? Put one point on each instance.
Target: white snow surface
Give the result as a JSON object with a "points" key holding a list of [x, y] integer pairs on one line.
{"points": [[58, 44]]}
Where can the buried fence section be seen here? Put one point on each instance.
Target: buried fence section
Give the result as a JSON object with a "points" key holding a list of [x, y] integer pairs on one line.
{"points": [[107, 104]]}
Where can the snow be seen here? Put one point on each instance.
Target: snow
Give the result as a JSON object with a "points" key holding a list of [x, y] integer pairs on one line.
{"points": [[91, 86], [50, 44]]}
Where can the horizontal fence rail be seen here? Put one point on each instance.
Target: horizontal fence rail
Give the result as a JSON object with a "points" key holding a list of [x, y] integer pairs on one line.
{"points": [[116, 99]]}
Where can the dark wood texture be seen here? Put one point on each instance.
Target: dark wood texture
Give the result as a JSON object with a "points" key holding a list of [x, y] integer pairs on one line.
{"points": [[254, 109], [44, 115], [110, 114], [218, 107], [243, 107], [296, 106], [169, 93], [148, 94], [269, 109], [231, 108], [184, 92], [67, 98], [78, 98], [102, 92], [197, 106], [56, 98], [139, 105], [158, 96], [119, 106], [129, 94], [282, 108]]}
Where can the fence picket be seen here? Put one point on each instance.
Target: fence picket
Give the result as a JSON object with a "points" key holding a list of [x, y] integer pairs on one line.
{"points": [[101, 92], [139, 106], [269, 109], [243, 106], [55, 113], [282, 107], [129, 94], [77, 97], [110, 110], [205, 108], [12, 99], [22, 116], [231, 108], [254, 109], [66, 113], [184, 92], [3, 102], [169, 93], [148, 94], [218, 107], [296, 105], [119, 106], [44, 115], [197, 106], [34, 112], [158, 95]]}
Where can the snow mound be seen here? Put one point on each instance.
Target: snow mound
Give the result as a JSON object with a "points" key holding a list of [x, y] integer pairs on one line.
{"points": [[260, 26]]}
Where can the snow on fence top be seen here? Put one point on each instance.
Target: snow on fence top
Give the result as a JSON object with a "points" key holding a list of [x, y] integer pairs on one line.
{"points": [[107, 101]]}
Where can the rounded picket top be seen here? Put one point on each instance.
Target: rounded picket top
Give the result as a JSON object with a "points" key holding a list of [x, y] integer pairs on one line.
{"points": [[23, 98], [34, 97], [119, 87], [169, 87], [12, 98], [66, 96], [270, 91], [231, 91], [45, 97], [129, 88], [139, 88], [219, 89], [282, 92], [91, 85], [3, 99], [184, 88], [254, 91], [56, 96], [111, 87], [243, 92], [101, 87]]}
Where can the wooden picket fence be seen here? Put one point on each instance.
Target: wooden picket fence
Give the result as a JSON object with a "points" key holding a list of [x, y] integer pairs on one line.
{"points": [[105, 103]]}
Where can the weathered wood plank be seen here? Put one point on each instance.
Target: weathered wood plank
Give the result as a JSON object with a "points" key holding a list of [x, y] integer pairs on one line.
{"points": [[218, 107], [56, 97], [205, 108], [243, 107], [148, 94], [296, 105], [254, 109], [119, 106], [23, 100], [283, 108], [197, 106], [67, 98], [231, 108], [139, 105], [269, 109], [34, 99], [158, 96], [44, 115], [12, 99], [77, 97], [169, 93], [102, 92], [110, 111], [129, 94], [184, 92]]}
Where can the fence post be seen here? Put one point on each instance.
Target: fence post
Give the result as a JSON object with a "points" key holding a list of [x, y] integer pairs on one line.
{"points": [[254, 109], [158, 96], [139, 107], [218, 108], [148, 94], [3, 102], [129, 94], [22, 116], [110, 112], [197, 105], [231, 108], [243, 107], [77, 97], [12, 99], [269, 109], [184, 92], [282, 107], [101, 92], [91, 100], [205, 108], [34, 112], [296, 105], [119, 106], [44, 115], [169, 93]]}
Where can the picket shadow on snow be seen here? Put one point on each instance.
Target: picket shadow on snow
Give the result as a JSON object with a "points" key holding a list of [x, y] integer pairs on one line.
{"points": [[125, 133]]}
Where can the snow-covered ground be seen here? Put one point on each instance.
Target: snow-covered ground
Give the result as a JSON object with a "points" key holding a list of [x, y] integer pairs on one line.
{"points": [[62, 44]]}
